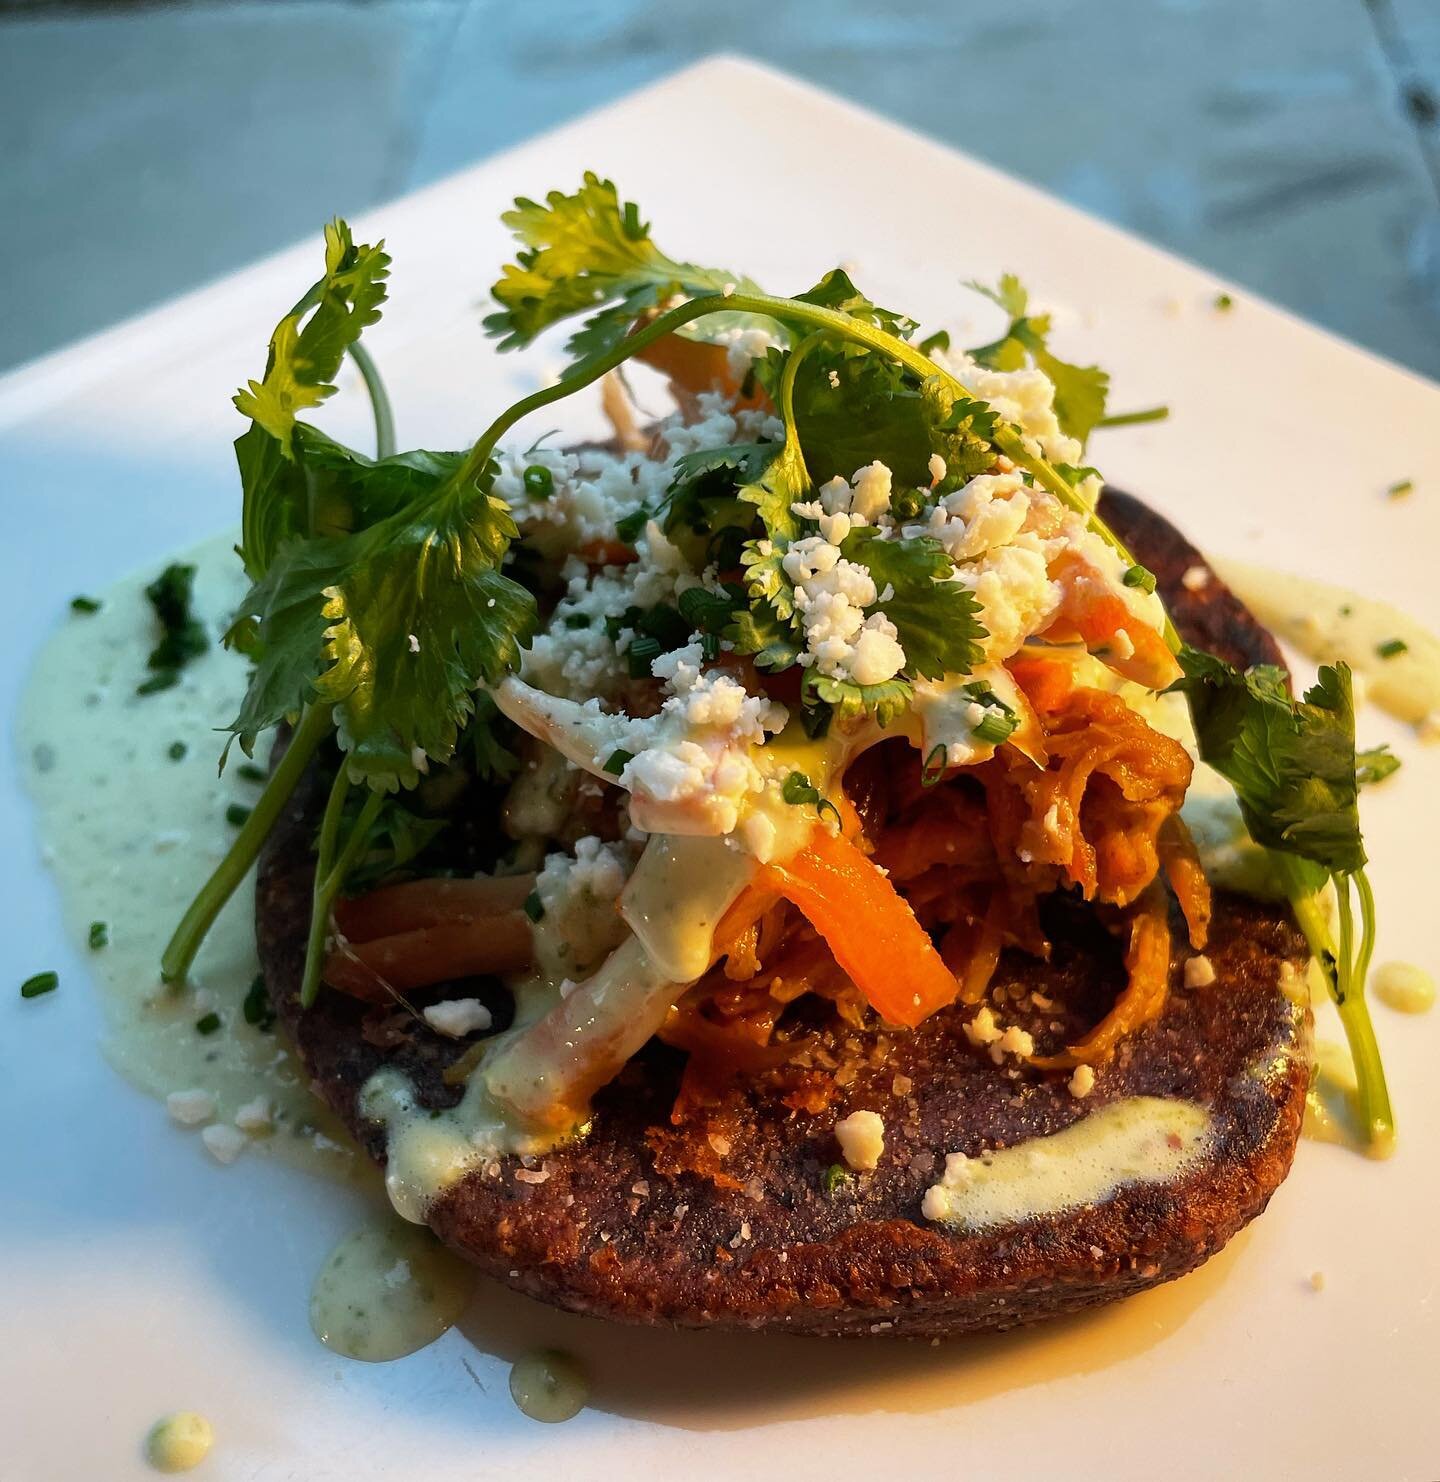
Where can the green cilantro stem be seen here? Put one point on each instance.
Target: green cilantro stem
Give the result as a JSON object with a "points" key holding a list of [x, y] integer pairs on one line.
{"points": [[331, 868], [1008, 440], [379, 400], [1345, 971], [314, 727], [1134, 419]]}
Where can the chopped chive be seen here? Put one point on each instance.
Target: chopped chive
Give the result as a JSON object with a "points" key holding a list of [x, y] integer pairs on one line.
{"points": [[1140, 576], [641, 654], [1400, 488], [207, 1023], [824, 806], [40, 983], [935, 764], [704, 610], [176, 751], [906, 504], [617, 761], [249, 772], [236, 815], [576, 620], [1346, 609], [1392, 648], [84, 604], [940, 340], [628, 527], [534, 907], [1223, 301], [996, 728], [256, 1006], [164, 680], [834, 1180], [797, 790], [99, 935], [539, 481]]}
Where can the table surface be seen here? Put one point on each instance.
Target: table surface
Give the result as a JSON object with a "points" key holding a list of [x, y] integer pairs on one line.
{"points": [[147, 149]]}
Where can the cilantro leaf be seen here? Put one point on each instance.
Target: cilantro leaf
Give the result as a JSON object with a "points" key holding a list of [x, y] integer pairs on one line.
{"points": [[395, 625], [852, 702], [760, 629], [783, 481], [300, 373], [1375, 765], [588, 253], [1292, 764], [937, 618], [1080, 390]]}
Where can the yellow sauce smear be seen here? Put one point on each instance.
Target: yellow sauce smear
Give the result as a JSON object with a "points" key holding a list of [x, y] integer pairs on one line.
{"points": [[1137, 1140]]}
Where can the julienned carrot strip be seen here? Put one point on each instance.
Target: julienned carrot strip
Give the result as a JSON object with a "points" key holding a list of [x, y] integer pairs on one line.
{"points": [[872, 933], [431, 954], [434, 902]]}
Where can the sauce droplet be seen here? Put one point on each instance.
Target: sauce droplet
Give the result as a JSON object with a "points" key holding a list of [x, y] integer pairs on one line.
{"points": [[179, 1442], [1404, 987], [387, 1290], [549, 1385]]}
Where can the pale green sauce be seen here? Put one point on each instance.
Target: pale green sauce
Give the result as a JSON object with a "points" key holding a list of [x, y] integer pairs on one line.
{"points": [[131, 833], [1404, 987], [549, 1386], [1137, 1140], [179, 1442], [1328, 622], [387, 1290]]}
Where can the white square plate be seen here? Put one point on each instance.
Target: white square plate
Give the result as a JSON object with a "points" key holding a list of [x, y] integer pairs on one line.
{"points": [[137, 1277]]}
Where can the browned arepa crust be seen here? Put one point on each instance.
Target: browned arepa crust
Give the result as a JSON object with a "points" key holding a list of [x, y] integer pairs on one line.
{"points": [[620, 1228]]}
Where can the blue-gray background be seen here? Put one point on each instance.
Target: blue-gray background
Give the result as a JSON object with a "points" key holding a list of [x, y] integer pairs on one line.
{"points": [[1292, 145]]}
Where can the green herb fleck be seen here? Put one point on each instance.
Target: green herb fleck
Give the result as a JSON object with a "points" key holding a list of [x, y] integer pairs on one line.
{"points": [[256, 1006], [576, 620], [182, 637], [236, 815], [534, 906], [1392, 648], [628, 527], [1398, 490], [1375, 765], [996, 728], [798, 790], [207, 1023], [539, 481], [176, 751], [617, 761], [1224, 302], [85, 604], [835, 1180], [39, 984], [641, 654], [99, 935], [935, 764], [249, 772], [1141, 577]]}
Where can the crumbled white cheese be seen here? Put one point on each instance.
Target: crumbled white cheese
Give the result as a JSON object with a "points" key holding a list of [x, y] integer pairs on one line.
{"points": [[937, 469], [1199, 971], [190, 1108], [223, 1142], [1025, 397], [861, 1136], [1195, 578], [1082, 1082], [872, 491], [457, 1017], [982, 1029], [255, 1116]]}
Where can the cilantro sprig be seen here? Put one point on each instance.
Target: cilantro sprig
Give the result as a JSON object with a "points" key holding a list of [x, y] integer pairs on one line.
{"points": [[1294, 770]]}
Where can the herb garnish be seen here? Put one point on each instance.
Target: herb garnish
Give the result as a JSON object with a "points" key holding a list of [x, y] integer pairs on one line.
{"points": [[85, 605], [534, 907], [207, 1023], [1392, 648], [182, 636], [176, 751], [1400, 488], [98, 936], [39, 984], [256, 1007]]}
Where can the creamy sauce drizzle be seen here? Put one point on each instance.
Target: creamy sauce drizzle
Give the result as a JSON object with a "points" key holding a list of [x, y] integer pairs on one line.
{"points": [[179, 1442], [130, 832], [1404, 987], [548, 1386], [387, 1290], [1328, 622], [1137, 1140]]}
